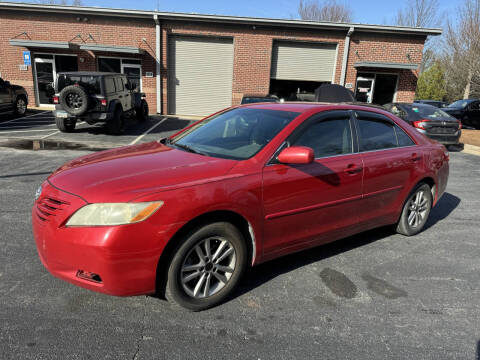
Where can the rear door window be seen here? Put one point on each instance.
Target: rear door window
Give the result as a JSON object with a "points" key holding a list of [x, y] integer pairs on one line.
{"points": [[119, 84], [109, 85]]}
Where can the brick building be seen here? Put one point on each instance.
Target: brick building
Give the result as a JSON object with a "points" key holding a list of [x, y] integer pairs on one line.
{"points": [[198, 64]]}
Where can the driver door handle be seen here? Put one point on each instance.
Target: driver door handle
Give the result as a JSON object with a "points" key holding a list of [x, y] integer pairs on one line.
{"points": [[352, 169]]}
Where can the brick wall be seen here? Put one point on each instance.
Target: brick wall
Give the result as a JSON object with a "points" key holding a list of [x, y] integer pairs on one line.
{"points": [[252, 53], [387, 48], [103, 30], [252, 44]]}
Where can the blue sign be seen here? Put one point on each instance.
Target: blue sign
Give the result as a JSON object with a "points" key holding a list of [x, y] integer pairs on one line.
{"points": [[27, 60]]}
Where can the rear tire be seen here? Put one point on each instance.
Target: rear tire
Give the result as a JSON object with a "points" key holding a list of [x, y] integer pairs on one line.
{"points": [[214, 257], [20, 106], [142, 111], [65, 125], [415, 210], [117, 124]]}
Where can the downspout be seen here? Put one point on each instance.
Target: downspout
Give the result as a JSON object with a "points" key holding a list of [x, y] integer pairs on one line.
{"points": [[157, 62], [346, 49]]}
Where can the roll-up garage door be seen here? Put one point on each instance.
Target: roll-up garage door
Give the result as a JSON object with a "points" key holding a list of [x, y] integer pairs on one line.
{"points": [[303, 61], [200, 75]]}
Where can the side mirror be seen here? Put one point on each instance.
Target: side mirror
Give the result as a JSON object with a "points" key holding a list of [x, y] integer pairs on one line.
{"points": [[296, 155]]}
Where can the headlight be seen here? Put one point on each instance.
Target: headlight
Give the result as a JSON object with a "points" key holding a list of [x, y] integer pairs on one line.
{"points": [[113, 213], [38, 192]]}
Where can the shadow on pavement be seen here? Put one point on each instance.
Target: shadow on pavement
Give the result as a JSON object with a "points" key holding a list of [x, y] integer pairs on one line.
{"points": [[444, 207], [265, 272]]}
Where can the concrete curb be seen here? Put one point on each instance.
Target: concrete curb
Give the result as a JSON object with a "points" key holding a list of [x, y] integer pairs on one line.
{"points": [[471, 149]]}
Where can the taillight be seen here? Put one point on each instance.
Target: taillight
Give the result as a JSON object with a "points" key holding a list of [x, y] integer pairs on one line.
{"points": [[55, 100], [459, 125], [103, 102], [420, 124]]}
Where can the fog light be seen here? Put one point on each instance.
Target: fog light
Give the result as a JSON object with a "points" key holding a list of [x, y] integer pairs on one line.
{"points": [[87, 275]]}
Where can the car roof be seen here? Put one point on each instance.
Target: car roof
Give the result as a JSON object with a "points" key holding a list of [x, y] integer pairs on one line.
{"points": [[301, 107], [89, 73]]}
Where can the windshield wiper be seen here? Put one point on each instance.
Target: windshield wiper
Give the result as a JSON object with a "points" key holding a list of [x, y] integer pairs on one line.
{"points": [[188, 148]]}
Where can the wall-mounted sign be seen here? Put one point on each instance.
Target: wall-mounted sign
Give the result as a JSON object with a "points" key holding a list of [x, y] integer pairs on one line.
{"points": [[148, 74], [27, 60], [348, 85], [23, 67]]}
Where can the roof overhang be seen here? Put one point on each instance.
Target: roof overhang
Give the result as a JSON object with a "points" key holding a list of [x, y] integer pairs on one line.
{"points": [[112, 48], [386, 65], [43, 44], [224, 19]]}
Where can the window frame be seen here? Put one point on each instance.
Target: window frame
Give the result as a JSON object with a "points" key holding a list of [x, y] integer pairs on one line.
{"points": [[318, 117], [380, 118]]}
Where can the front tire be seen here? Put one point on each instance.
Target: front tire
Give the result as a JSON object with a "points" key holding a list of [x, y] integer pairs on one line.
{"points": [[415, 211], [206, 266], [142, 111], [20, 106]]}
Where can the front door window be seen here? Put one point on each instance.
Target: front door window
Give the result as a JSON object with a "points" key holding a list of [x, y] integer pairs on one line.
{"points": [[134, 75]]}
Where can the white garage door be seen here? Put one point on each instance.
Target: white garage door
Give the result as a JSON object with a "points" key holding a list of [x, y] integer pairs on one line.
{"points": [[200, 75], [303, 61]]}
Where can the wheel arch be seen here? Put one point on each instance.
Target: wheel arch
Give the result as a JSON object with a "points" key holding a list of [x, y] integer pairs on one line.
{"points": [[242, 224]]}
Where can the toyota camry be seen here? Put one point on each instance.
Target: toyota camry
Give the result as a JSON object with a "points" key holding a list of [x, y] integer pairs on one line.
{"points": [[186, 215]]}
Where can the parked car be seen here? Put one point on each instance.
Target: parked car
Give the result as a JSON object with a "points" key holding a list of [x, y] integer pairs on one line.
{"points": [[13, 98], [467, 111], [429, 120], [97, 97], [436, 103], [252, 99], [185, 216]]}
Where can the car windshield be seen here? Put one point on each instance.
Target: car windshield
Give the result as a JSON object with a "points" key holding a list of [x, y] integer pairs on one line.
{"points": [[89, 82], [249, 100], [430, 112], [459, 104], [235, 134]]}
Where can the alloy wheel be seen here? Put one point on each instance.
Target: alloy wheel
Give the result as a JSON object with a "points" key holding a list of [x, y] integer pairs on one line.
{"points": [[21, 106], [208, 267], [417, 209]]}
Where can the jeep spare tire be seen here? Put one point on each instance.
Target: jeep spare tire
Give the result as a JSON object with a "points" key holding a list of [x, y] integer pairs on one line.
{"points": [[74, 100]]}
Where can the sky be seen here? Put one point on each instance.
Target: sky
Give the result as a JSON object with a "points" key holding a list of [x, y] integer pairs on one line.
{"points": [[364, 11]]}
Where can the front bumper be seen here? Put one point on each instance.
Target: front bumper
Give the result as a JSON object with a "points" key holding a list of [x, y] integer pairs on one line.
{"points": [[125, 257]]}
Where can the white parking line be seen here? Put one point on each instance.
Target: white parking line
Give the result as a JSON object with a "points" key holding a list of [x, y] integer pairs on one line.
{"points": [[14, 127], [24, 117], [146, 132], [56, 132], [22, 131]]}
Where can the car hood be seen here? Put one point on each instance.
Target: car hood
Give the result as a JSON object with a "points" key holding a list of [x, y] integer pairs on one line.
{"points": [[18, 88], [127, 173]]}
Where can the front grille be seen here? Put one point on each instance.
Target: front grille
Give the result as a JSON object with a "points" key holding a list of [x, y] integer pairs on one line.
{"points": [[442, 130], [49, 207]]}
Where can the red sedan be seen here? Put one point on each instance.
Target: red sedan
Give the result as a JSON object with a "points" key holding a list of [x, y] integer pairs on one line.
{"points": [[186, 215]]}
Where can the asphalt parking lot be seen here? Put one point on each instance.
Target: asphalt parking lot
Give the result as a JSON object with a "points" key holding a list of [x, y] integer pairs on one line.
{"points": [[40, 124], [376, 295]]}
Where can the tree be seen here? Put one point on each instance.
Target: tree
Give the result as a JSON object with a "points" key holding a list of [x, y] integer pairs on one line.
{"points": [[328, 10], [431, 83], [422, 13], [462, 47], [419, 13]]}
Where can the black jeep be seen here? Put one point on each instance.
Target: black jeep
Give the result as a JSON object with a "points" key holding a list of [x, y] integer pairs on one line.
{"points": [[97, 97], [12, 98]]}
